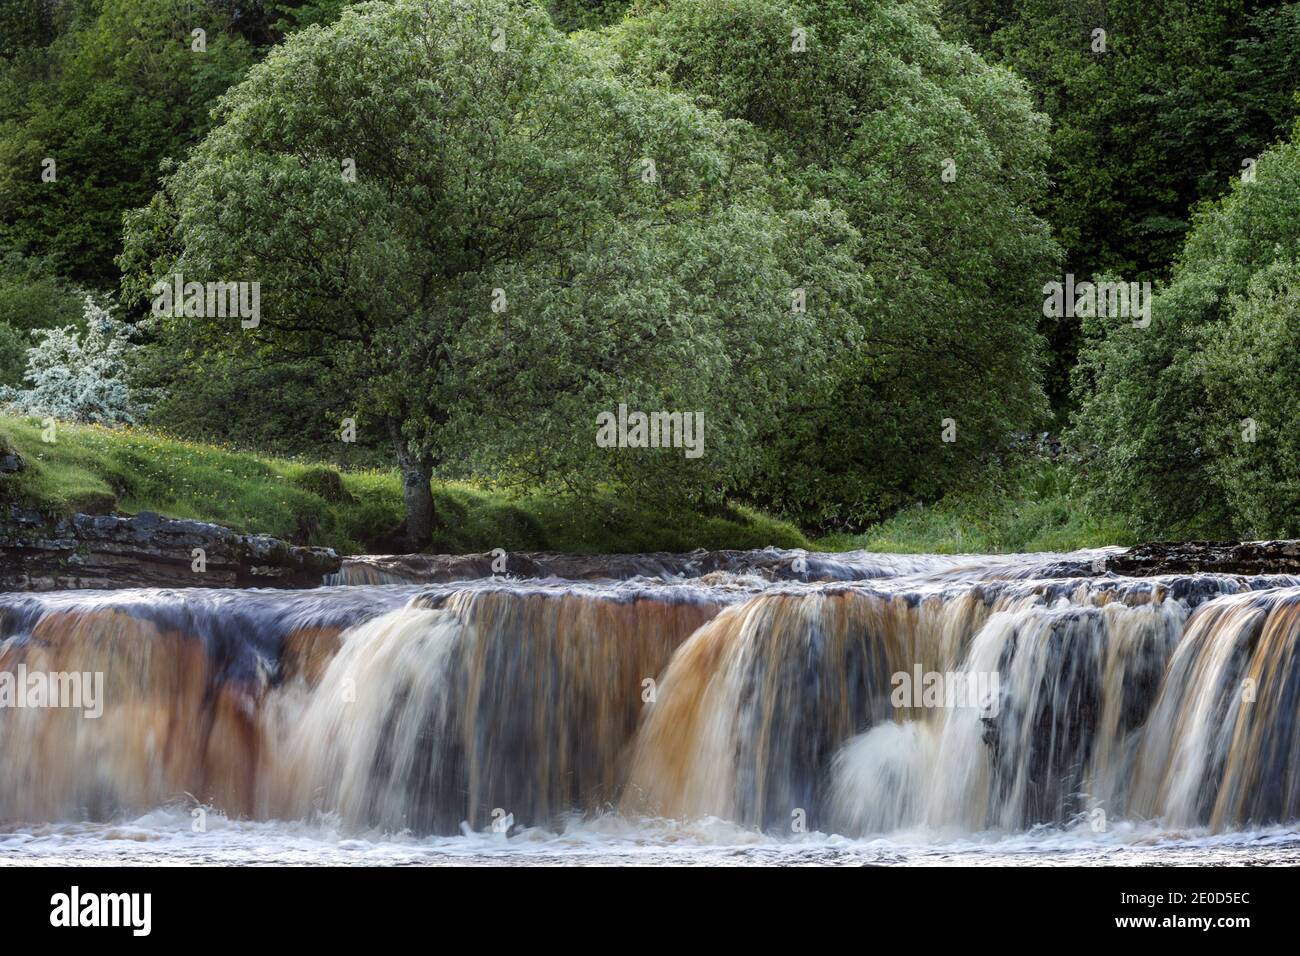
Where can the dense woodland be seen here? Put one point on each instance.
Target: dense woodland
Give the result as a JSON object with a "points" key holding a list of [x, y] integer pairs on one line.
{"points": [[827, 226]]}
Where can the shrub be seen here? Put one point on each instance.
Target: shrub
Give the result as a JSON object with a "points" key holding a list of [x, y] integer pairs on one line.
{"points": [[325, 482], [1165, 407], [80, 376]]}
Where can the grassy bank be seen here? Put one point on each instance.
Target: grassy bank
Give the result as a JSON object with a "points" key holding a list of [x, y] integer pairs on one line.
{"points": [[1027, 508], [99, 470]]}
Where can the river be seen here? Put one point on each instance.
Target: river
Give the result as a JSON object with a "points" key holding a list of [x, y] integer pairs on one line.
{"points": [[772, 708]]}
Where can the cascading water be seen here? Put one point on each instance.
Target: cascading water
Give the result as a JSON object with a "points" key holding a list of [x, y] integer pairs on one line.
{"points": [[459, 705], [775, 708]]}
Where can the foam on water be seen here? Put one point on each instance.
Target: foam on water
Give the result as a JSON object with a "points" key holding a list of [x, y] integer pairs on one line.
{"points": [[166, 837]]}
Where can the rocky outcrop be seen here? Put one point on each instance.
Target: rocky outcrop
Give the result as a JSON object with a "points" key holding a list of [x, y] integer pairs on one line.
{"points": [[147, 550], [1217, 557]]}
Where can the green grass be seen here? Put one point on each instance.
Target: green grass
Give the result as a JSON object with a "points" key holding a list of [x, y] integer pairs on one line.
{"points": [[1027, 508], [98, 470]]}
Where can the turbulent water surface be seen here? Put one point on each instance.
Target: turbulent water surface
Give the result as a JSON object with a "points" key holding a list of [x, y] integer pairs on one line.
{"points": [[744, 709]]}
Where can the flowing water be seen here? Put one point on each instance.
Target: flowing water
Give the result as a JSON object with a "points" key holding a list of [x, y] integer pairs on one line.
{"points": [[754, 707]]}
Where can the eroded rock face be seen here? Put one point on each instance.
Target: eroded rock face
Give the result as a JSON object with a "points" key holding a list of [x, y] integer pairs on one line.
{"points": [[1219, 557], [147, 550]]}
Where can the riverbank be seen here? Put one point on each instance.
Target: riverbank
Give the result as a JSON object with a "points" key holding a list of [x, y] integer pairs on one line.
{"points": [[1027, 506], [90, 470], [99, 471]]}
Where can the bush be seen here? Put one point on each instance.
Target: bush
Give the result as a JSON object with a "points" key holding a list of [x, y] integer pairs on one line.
{"points": [[1251, 368], [325, 482], [80, 376], [1164, 407], [13, 354], [586, 14]]}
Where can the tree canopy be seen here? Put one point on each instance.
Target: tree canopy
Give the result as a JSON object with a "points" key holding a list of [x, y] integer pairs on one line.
{"points": [[1156, 105], [1193, 420], [478, 228], [936, 159], [487, 239]]}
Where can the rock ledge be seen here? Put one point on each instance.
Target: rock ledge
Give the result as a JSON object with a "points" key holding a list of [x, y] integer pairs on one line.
{"points": [[146, 550], [1217, 557]]}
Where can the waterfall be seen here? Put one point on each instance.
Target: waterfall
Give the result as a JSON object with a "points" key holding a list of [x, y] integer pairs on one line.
{"points": [[1222, 744], [1075, 684], [400, 710], [474, 707], [780, 705]]}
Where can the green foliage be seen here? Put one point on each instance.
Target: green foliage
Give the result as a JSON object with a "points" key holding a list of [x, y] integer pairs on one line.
{"points": [[97, 469], [278, 18], [586, 14], [522, 170], [868, 118], [324, 482], [25, 24], [115, 93], [1160, 121], [1021, 506], [13, 355], [33, 296], [475, 521], [776, 170], [284, 407], [1251, 367], [1164, 407]]}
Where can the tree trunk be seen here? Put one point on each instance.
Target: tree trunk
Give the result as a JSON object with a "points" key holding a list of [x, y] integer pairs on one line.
{"points": [[417, 495]]}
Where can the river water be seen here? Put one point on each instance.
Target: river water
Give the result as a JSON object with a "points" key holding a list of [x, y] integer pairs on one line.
{"points": [[765, 708]]}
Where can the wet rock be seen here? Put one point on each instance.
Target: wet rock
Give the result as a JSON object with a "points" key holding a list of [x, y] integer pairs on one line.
{"points": [[1218, 557], [769, 564], [147, 550]]}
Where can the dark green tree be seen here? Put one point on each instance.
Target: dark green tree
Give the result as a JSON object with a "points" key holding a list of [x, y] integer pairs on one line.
{"points": [[1192, 421], [1151, 116], [936, 159], [86, 118], [485, 240]]}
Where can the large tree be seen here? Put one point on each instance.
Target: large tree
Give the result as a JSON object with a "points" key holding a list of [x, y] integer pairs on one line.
{"points": [[936, 159], [484, 239]]}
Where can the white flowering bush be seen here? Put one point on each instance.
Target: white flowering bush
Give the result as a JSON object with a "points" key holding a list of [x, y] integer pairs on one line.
{"points": [[80, 376]]}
